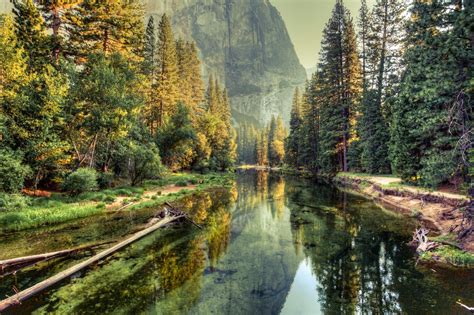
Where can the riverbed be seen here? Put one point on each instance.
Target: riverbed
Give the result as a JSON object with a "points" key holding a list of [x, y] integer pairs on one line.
{"points": [[270, 245]]}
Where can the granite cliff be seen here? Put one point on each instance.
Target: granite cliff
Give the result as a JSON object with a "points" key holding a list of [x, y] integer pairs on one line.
{"points": [[245, 44]]}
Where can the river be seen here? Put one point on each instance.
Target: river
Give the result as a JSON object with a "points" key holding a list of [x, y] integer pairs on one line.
{"points": [[271, 245]]}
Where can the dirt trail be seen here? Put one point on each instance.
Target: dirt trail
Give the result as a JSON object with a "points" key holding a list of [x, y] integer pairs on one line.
{"points": [[166, 190], [381, 180]]}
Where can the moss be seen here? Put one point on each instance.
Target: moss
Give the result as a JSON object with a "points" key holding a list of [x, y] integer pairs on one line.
{"points": [[449, 255]]}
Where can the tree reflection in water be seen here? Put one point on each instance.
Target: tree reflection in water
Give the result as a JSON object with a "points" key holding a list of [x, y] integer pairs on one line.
{"points": [[154, 268]]}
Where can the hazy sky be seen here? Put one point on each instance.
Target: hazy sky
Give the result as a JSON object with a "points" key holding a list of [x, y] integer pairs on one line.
{"points": [[305, 20]]}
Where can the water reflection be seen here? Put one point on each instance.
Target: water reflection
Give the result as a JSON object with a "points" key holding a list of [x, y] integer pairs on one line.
{"points": [[269, 245]]}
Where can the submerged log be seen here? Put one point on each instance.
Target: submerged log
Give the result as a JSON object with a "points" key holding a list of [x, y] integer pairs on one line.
{"points": [[24, 295], [21, 262]]}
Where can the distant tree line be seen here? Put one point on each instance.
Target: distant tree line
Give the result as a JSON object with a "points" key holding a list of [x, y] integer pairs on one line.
{"points": [[262, 146], [84, 84], [392, 97]]}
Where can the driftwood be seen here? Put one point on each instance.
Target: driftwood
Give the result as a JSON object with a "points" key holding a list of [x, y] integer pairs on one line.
{"points": [[174, 211], [24, 295], [420, 237], [470, 309], [15, 264]]}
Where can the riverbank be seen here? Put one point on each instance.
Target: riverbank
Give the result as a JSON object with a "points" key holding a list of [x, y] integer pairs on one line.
{"points": [[439, 212], [33, 212]]}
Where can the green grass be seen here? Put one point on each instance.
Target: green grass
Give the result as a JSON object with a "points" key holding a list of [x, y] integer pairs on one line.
{"points": [[53, 213], [450, 255], [62, 208]]}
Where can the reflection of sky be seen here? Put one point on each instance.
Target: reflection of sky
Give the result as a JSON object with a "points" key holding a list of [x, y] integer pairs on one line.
{"points": [[303, 296]]}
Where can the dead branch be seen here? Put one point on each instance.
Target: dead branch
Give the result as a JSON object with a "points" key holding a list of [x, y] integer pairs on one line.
{"points": [[420, 237], [470, 309], [6, 266]]}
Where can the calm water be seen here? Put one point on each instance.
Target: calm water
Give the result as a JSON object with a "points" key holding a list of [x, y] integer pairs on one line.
{"points": [[271, 245]]}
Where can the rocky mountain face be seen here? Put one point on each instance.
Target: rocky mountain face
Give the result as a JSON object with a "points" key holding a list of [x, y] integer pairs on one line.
{"points": [[245, 44]]}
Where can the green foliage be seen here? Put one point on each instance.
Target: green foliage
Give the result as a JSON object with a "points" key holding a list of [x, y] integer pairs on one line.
{"points": [[175, 140], [105, 179], [294, 140], [31, 34], [432, 113], [82, 180], [12, 171], [181, 183], [143, 162], [276, 145], [13, 202], [92, 29], [374, 136]]}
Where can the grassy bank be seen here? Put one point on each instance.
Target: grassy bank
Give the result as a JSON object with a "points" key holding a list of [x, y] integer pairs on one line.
{"points": [[33, 212]]}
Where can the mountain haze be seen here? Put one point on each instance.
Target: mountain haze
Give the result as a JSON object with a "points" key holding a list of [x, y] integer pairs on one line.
{"points": [[246, 45]]}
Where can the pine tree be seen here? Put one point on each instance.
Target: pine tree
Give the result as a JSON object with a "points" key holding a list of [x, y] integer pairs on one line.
{"points": [[276, 138], [364, 28], [53, 12], [190, 82], [197, 85], [425, 141], [167, 74], [184, 70], [387, 34], [310, 140], [372, 148], [212, 95], [340, 82], [150, 49], [294, 139], [113, 26], [30, 30]]}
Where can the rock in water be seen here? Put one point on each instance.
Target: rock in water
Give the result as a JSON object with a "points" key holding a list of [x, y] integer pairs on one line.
{"points": [[245, 44]]}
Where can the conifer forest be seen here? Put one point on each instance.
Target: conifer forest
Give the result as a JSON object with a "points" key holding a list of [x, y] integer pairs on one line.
{"points": [[188, 157]]}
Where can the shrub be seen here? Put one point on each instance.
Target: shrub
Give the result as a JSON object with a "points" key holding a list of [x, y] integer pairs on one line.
{"points": [[82, 180], [11, 202], [105, 179], [144, 163], [12, 172], [181, 183]]}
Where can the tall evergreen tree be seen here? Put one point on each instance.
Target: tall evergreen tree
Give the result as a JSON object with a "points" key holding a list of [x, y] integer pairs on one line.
{"points": [[309, 142], [340, 80], [293, 141], [150, 49], [167, 74], [425, 141], [30, 29], [113, 26], [53, 12], [276, 141]]}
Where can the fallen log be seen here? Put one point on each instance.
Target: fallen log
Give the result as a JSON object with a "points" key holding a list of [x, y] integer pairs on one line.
{"points": [[21, 262], [24, 295]]}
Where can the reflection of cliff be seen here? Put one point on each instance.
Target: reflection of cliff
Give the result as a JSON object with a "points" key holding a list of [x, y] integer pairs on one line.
{"points": [[255, 275], [246, 44]]}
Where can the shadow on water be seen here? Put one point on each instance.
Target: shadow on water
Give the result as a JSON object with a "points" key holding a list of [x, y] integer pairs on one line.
{"points": [[270, 245]]}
